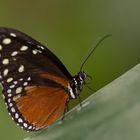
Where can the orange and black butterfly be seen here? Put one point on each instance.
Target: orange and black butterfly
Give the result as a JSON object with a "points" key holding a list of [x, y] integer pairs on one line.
{"points": [[36, 85]]}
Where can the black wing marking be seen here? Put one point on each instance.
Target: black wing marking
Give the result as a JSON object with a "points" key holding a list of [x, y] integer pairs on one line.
{"points": [[22, 60], [44, 60], [25, 57]]}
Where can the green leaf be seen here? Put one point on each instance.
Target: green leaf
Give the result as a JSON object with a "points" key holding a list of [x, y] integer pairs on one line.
{"points": [[112, 113]]}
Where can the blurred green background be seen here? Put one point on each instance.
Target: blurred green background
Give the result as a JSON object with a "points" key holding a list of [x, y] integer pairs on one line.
{"points": [[69, 28]]}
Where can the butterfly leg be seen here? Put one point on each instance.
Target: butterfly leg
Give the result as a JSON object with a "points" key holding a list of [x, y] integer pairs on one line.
{"points": [[65, 111], [80, 101]]}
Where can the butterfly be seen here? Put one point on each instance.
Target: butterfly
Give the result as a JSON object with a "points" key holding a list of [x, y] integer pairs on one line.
{"points": [[36, 85]]}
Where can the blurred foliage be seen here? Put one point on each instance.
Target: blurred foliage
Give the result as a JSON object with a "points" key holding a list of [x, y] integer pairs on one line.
{"points": [[70, 29], [112, 113]]}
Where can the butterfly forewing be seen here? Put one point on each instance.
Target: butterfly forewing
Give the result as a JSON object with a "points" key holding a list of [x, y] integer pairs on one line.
{"points": [[33, 80]]}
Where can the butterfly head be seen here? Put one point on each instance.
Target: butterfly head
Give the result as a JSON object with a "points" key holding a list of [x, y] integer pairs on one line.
{"points": [[77, 84]]}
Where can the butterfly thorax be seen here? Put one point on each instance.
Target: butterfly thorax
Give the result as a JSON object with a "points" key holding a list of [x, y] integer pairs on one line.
{"points": [[77, 85]]}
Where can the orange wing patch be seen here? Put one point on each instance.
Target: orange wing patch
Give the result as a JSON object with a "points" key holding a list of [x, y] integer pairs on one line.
{"points": [[41, 106], [56, 79]]}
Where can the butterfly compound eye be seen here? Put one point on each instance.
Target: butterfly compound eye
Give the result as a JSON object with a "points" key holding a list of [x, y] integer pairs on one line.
{"points": [[82, 76]]}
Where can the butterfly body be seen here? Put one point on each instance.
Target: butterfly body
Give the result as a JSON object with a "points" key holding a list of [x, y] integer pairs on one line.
{"points": [[36, 84]]}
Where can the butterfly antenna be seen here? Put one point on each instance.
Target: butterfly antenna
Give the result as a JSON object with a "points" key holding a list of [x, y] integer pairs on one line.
{"points": [[93, 49]]}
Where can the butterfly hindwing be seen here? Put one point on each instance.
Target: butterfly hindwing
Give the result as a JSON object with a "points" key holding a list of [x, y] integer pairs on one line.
{"points": [[37, 107], [26, 66], [44, 108]]}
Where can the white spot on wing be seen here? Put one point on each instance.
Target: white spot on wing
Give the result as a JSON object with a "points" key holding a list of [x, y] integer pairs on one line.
{"points": [[29, 78], [9, 91], [42, 48], [9, 95], [18, 90], [20, 120], [33, 128], [5, 72], [14, 53], [6, 41], [13, 109], [16, 116], [21, 79], [15, 82], [37, 129], [9, 80], [34, 51], [25, 83], [9, 100], [5, 61], [30, 127], [24, 48], [10, 104], [21, 68], [25, 125], [12, 86], [13, 34]]}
